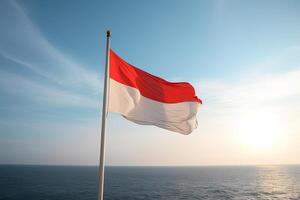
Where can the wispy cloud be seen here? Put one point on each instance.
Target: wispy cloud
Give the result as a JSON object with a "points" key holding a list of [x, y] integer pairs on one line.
{"points": [[257, 90], [19, 86], [22, 43], [277, 90]]}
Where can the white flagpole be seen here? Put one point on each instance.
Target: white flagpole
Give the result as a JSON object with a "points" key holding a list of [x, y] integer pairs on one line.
{"points": [[104, 114]]}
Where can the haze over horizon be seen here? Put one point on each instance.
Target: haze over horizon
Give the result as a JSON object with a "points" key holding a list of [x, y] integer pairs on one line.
{"points": [[243, 58]]}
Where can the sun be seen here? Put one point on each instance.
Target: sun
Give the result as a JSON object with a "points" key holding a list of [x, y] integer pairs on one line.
{"points": [[258, 131]]}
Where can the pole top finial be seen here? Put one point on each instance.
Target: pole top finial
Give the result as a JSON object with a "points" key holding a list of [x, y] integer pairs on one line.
{"points": [[108, 33]]}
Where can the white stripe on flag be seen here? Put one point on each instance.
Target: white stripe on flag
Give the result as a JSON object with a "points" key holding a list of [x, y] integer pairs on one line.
{"points": [[126, 100]]}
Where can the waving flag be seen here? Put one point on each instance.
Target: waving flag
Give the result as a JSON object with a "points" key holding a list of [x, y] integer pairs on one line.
{"points": [[149, 100]]}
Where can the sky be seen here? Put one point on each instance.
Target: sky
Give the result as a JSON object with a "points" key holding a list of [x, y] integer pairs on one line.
{"points": [[242, 57]]}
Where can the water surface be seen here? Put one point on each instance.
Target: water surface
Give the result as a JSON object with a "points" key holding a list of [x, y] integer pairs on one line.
{"points": [[207, 183]]}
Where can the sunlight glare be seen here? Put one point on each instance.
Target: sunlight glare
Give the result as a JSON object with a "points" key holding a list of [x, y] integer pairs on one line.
{"points": [[259, 131]]}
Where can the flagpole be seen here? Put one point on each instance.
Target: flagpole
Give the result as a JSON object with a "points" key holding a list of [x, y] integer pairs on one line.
{"points": [[103, 127]]}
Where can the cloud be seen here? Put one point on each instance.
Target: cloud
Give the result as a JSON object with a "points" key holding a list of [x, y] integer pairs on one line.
{"points": [[62, 80], [22, 43], [19, 86], [257, 90]]}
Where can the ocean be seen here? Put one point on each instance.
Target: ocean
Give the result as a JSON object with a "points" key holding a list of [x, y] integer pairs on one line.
{"points": [[133, 183]]}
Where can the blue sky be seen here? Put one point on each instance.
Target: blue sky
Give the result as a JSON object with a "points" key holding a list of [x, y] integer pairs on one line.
{"points": [[242, 57]]}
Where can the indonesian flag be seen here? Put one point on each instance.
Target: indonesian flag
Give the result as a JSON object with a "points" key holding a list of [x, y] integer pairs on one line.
{"points": [[149, 100]]}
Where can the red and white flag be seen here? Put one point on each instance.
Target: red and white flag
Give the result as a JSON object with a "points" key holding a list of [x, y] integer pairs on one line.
{"points": [[149, 100]]}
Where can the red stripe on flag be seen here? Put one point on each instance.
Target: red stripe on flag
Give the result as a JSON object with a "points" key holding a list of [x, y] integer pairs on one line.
{"points": [[150, 86]]}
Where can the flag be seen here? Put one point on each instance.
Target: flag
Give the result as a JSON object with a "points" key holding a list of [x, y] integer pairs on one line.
{"points": [[149, 100]]}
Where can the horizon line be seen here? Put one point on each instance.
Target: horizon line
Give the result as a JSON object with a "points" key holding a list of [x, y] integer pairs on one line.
{"points": [[78, 165]]}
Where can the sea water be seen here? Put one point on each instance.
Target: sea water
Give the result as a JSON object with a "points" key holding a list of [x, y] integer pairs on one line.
{"points": [[207, 183]]}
